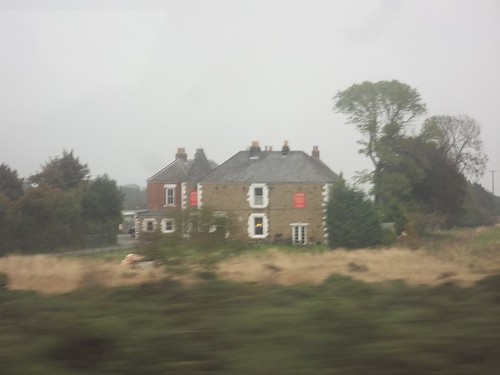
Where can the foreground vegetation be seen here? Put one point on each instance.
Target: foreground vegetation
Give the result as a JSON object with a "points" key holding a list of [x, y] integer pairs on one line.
{"points": [[344, 326], [341, 326]]}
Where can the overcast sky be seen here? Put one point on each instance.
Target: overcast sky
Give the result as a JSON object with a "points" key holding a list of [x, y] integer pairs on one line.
{"points": [[124, 83]]}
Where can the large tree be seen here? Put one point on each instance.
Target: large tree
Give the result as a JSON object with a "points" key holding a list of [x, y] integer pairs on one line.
{"points": [[442, 188], [417, 174], [10, 184], [459, 138], [64, 172], [379, 110], [101, 205], [46, 218]]}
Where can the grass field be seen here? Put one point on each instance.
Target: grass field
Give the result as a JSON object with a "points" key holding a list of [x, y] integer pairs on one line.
{"points": [[276, 311], [462, 257]]}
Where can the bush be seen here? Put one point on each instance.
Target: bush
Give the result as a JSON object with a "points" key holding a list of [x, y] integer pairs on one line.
{"points": [[388, 237], [352, 219]]}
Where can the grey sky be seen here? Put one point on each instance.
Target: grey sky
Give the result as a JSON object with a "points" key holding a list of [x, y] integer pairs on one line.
{"points": [[124, 83]]}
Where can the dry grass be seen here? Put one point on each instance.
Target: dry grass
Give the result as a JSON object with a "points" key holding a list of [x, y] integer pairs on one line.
{"points": [[50, 275], [464, 261], [413, 266]]}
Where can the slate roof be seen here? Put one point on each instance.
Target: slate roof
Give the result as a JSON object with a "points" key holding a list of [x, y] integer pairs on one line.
{"points": [[272, 166], [185, 170]]}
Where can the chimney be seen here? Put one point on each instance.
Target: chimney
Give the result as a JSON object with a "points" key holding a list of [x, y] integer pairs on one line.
{"points": [[315, 152], [254, 150], [199, 154], [181, 154], [285, 148]]}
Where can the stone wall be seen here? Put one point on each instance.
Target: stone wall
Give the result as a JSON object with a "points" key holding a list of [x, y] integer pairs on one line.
{"points": [[281, 211]]}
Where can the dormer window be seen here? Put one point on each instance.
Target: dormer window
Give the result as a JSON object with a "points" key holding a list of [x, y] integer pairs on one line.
{"points": [[170, 195], [258, 196]]}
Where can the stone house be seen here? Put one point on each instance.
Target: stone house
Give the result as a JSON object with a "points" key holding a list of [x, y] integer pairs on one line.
{"points": [[268, 196], [271, 196]]}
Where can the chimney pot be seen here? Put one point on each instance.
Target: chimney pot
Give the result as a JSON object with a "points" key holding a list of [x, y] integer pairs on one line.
{"points": [[181, 154], [199, 153], [285, 149], [315, 152], [255, 149]]}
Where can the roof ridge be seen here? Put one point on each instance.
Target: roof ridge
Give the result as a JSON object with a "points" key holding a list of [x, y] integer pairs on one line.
{"points": [[272, 166], [165, 168]]}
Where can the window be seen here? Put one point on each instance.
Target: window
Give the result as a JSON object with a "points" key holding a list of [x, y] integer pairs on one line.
{"points": [[299, 233], [148, 225], [167, 226], [258, 223], [170, 195], [257, 226], [258, 196]]}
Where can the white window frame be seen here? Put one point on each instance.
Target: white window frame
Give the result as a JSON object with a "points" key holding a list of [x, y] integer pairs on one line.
{"points": [[251, 226], [145, 223], [251, 196], [302, 233], [164, 228], [170, 187]]}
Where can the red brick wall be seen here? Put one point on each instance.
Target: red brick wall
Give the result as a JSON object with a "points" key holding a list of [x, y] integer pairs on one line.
{"points": [[157, 199], [156, 196]]}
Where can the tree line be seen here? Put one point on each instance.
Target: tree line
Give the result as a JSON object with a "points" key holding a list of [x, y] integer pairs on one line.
{"points": [[59, 207], [421, 175]]}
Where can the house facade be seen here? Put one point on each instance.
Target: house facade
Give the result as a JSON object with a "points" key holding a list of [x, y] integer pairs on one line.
{"points": [[171, 191], [269, 196]]}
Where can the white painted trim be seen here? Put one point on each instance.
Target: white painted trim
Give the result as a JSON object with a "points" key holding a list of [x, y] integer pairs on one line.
{"points": [[251, 196], [200, 195], [167, 187], [295, 225], [137, 227], [250, 226], [145, 222], [163, 225], [327, 188], [326, 193], [184, 198]]}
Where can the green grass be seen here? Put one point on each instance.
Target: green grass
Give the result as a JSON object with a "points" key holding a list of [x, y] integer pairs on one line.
{"points": [[490, 237], [341, 327]]}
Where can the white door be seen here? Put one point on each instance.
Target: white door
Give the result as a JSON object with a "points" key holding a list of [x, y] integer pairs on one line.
{"points": [[299, 234]]}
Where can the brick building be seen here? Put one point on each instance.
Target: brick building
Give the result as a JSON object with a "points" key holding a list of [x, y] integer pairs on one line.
{"points": [[172, 190], [270, 196]]}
